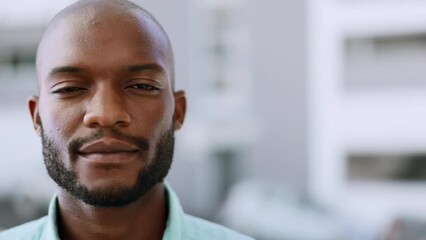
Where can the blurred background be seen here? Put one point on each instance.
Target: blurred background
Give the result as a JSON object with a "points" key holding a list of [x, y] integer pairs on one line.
{"points": [[305, 119]]}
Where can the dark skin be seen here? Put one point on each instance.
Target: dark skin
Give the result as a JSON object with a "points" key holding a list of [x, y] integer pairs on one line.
{"points": [[104, 66]]}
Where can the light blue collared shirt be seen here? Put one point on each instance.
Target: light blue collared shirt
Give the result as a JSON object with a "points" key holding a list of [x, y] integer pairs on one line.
{"points": [[180, 226]]}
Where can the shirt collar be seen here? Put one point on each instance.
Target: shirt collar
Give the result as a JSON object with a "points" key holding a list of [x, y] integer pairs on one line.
{"points": [[174, 227], [175, 220], [51, 230]]}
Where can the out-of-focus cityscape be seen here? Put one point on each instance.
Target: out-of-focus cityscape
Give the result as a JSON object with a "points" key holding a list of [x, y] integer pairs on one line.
{"points": [[305, 118]]}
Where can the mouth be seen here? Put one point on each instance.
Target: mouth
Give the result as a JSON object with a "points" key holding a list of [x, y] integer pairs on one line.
{"points": [[109, 151]]}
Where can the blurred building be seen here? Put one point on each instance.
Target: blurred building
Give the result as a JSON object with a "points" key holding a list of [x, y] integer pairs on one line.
{"points": [[366, 107]]}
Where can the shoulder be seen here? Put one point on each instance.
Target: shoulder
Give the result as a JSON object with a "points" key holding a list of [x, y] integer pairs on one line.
{"points": [[199, 228], [28, 231]]}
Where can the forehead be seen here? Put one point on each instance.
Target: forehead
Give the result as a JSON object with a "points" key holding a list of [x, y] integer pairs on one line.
{"points": [[103, 37]]}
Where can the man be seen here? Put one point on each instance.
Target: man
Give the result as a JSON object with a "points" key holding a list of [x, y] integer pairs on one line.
{"points": [[106, 114]]}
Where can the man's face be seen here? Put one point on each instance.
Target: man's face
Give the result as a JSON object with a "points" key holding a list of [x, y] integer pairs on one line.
{"points": [[106, 112]]}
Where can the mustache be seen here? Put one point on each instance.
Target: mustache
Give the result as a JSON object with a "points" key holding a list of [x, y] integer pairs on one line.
{"points": [[75, 144]]}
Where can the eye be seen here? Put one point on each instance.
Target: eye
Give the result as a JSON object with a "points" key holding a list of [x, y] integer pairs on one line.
{"points": [[143, 86], [66, 90]]}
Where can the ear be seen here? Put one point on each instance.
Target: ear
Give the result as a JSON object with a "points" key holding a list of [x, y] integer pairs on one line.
{"points": [[180, 110], [33, 107]]}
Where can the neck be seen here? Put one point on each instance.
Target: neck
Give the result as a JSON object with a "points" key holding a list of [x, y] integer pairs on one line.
{"points": [[143, 219]]}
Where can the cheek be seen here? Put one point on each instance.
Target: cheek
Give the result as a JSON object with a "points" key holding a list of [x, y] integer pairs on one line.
{"points": [[154, 118], [59, 121]]}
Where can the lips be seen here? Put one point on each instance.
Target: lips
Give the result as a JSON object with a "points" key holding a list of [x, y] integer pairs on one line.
{"points": [[108, 150]]}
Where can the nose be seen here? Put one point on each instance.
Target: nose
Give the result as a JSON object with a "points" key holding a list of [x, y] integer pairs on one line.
{"points": [[106, 109]]}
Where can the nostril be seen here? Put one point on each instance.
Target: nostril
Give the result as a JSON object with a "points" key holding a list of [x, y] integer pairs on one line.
{"points": [[106, 118]]}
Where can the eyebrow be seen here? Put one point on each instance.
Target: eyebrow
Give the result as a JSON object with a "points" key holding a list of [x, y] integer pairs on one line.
{"points": [[132, 69], [63, 69], [144, 67]]}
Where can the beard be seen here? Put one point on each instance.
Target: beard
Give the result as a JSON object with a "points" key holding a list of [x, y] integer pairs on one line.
{"points": [[152, 173]]}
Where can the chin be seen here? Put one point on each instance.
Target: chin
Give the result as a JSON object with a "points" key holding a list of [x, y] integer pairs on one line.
{"points": [[109, 185], [110, 195]]}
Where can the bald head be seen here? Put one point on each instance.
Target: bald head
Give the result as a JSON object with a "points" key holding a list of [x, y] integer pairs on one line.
{"points": [[97, 30], [121, 6]]}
